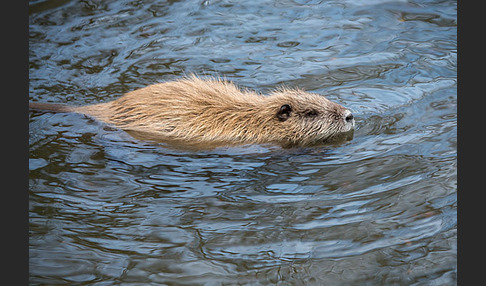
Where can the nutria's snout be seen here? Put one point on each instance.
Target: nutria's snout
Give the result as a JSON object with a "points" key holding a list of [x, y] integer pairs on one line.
{"points": [[348, 119], [348, 116]]}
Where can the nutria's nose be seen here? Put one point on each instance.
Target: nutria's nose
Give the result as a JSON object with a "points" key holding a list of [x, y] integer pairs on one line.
{"points": [[348, 116]]}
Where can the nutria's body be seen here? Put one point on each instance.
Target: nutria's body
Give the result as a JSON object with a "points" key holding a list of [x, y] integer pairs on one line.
{"points": [[204, 111]]}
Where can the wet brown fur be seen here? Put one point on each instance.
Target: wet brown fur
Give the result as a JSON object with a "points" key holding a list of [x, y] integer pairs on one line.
{"points": [[201, 111]]}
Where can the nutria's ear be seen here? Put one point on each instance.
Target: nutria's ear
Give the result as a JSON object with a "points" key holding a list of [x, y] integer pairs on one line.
{"points": [[284, 112]]}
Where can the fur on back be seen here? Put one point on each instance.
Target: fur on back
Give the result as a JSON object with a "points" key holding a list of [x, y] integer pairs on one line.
{"points": [[190, 109]]}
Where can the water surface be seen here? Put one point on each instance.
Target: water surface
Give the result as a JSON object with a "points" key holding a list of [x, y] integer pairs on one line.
{"points": [[108, 209]]}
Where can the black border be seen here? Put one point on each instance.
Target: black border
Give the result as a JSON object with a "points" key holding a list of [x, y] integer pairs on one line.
{"points": [[15, 140]]}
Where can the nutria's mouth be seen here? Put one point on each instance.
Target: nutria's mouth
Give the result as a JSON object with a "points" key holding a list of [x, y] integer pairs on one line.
{"points": [[340, 137]]}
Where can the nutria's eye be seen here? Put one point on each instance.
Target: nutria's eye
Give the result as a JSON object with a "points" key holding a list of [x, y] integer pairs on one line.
{"points": [[311, 113], [284, 112]]}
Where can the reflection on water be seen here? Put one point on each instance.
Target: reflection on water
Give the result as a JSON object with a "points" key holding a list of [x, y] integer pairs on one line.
{"points": [[106, 208]]}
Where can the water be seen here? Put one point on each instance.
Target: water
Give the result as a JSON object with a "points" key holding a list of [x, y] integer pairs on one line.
{"points": [[108, 209]]}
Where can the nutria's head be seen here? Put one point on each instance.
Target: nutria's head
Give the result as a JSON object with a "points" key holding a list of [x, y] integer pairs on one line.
{"points": [[306, 118]]}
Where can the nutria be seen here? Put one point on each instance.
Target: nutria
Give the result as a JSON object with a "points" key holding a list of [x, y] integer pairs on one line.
{"points": [[194, 110]]}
